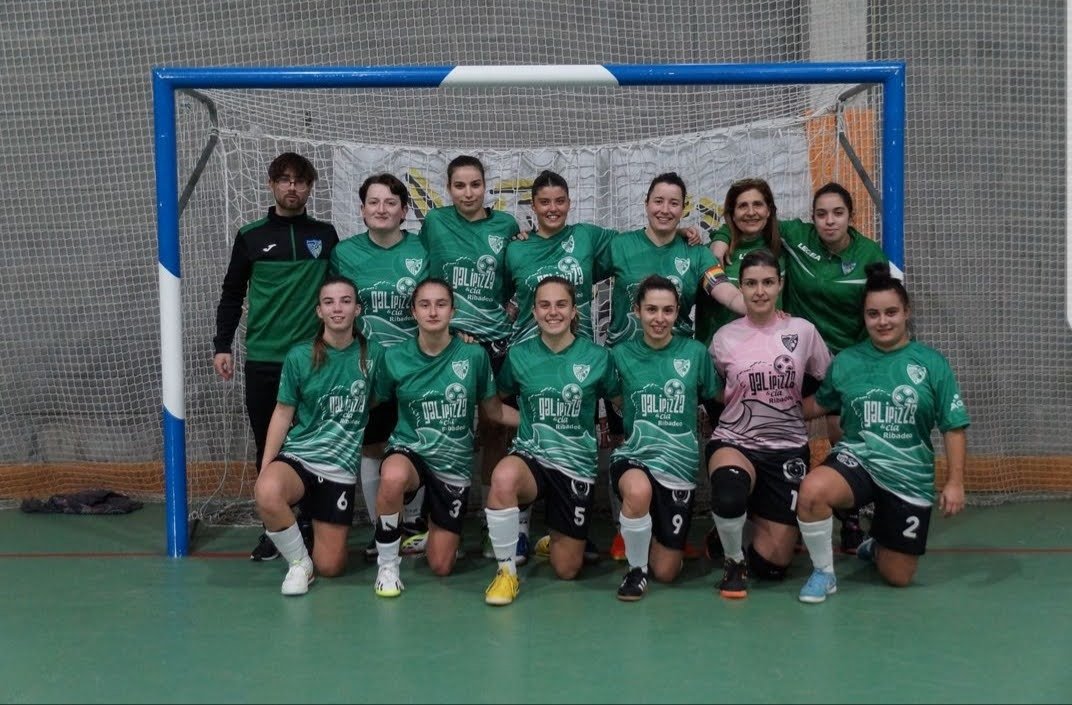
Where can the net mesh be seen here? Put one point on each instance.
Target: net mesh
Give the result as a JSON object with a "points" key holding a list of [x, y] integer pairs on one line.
{"points": [[80, 378]]}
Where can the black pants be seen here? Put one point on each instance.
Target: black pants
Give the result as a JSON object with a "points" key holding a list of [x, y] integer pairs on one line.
{"points": [[262, 387]]}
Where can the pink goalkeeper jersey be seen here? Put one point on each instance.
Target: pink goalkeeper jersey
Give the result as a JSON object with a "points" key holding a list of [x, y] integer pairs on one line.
{"points": [[764, 369]]}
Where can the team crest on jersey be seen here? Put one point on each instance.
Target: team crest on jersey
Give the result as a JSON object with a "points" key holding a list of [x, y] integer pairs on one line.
{"points": [[495, 242], [681, 265], [790, 341], [461, 368], [682, 367], [568, 245], [581, 372], [847, 266], [793, 470], [414, 265], [315, 247], [681, 498], [916, 373]]}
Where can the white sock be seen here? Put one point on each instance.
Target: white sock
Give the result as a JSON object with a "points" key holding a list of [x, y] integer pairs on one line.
{"points": [[503, 530], [637, 536], [730, 532], [818, 538], [370, 484], [411, 512], [290, 543]]}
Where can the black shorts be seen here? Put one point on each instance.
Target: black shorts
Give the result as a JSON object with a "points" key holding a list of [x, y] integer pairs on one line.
{"points": [[568, 505], [615, 422], [496, 350], [778, 477], [444, 503], [324, 500], [671, 510], [898, 525], [381, 422]]}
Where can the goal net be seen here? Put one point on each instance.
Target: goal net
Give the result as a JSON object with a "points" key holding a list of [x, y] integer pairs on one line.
{"points": [[795, 136]]}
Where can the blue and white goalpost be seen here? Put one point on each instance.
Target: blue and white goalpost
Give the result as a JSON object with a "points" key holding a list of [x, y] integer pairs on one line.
{"points": [[168, 80]]}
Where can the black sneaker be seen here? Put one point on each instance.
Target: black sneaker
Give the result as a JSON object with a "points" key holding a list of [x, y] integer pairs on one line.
{"points": [[712, 544], [412, 528], [265, 550], [734, 583], [851, 533], [634, 585], [591, 552], [370, 551]]}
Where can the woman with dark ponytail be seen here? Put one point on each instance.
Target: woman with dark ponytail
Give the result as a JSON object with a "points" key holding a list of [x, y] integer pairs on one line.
{"points": [[314, 438], [891, 391]]}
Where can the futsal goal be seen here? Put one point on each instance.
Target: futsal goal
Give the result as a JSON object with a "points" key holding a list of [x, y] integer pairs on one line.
{"points": [[608, 129]]}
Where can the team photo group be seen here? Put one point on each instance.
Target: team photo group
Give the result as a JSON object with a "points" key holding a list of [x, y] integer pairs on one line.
{"points": [[415, 366]]}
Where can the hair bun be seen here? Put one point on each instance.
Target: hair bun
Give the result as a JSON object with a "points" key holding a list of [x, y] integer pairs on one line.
{"points": [[877, 270]]}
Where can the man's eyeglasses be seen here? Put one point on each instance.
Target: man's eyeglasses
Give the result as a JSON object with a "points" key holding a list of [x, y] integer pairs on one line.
{"points": [[296, 183]]}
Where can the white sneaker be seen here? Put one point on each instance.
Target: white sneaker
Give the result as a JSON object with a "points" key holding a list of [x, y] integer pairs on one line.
{"points": [[388, 583], [299, 577]]}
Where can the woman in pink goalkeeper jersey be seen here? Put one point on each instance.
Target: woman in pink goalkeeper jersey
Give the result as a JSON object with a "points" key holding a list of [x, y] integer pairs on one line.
{"points": [[759, 452]]}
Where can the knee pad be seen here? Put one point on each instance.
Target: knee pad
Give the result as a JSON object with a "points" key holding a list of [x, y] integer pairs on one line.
{"points": [[729, 491], [763, 569]]}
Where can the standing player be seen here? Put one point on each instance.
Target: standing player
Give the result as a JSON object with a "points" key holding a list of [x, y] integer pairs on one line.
{"points": [[386, 263], [892, 391], [558, 377], [466, 244], [577, 252], [663, 378], [314, 438], [438, 382], [759, 450], [751, 224], [281, 260]]}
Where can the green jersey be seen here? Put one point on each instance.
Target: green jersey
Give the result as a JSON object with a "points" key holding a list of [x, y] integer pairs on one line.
{"points": [[385, 279], [330, 407], [633, 256], [889, 403], [710, 314], [470, 256], [437, 399], [824, 288], [660, 391], [557, 395], [577, 252]]}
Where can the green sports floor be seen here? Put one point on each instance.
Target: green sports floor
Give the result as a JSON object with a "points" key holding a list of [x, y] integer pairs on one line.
{"points": [[95, 612]]}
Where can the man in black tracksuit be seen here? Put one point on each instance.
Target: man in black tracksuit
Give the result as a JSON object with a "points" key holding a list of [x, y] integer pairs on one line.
{"points": [[281, 260]]}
